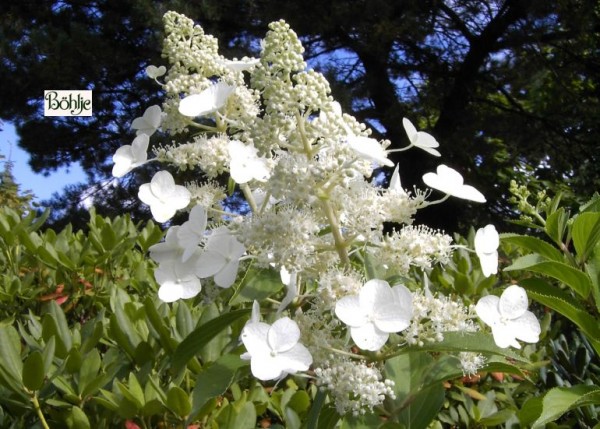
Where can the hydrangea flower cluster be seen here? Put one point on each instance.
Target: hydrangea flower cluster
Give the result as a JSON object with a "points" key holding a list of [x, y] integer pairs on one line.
{"points": [[315, 215]]}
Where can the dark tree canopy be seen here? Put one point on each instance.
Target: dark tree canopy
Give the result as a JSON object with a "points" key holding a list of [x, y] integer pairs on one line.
{"points": [[509, 88]]}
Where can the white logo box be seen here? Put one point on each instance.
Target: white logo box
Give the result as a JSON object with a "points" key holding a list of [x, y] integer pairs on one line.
{"points": [[67, 103]]}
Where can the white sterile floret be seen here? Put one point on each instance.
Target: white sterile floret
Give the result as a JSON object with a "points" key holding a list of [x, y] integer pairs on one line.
{"points": [[191, 233], [369, 149], [245, 163], [451, 182], [221, 257], [486, 247], [177, 281], [509, 318], [377, 311], [420, 139], [239, 65], [149, 122], [163, 196], [274, 350], [208, 101], [153, 72], [128, 157], [395, 186]]}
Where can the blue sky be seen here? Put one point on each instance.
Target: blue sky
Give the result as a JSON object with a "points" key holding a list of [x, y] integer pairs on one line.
{"points": [[42, 186]]}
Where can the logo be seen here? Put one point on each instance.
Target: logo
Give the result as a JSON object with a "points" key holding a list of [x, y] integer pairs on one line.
{"points": [[67, 103]]}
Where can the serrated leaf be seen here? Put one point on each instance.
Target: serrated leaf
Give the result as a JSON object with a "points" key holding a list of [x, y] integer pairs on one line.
{"points": [[534, 245], [562, 399], [572, 277], [561, 302], [33, 371], [586, 234], [190, 346], [556, 225]]}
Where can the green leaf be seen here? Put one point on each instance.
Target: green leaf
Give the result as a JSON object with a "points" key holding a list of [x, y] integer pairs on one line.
{"points": [[562, 399], [556, 225], [89, 371], [214, 380], [586, 234], [258, 284], [33, 371], [535, 245], [62, 326], [563, 303], [10, 358], [178, 401], [574, 278], [190, 346], [77, 419], [166, 340]]}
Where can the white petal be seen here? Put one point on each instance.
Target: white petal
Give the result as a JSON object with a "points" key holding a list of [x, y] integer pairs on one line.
{"points": [[255, 318], [170, 292], [298, 358], [489, 263], [368, 337], [266, 367], [527, 328], [487, 310], [254, 337], [121, 168], [513, 302], [153, 72], [348, 310], [426, 140], [468, 192], [193, 105], [504, 336], [209, 264], [139, 148], [369, 149], [395, 185], [410, 129], [162, 184], [374, 294], [190, 287], [487, 239], [162, 212], [227, 275], [283, 335], [179, 197], [395, 315]]}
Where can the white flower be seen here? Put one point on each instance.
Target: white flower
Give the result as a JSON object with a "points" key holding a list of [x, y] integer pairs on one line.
{"points": [[163, 196], [369, 149], [149, 122], [191, 232], [420, 139], [509, 318], [208, 101], [486, 247], [375, 312], [177, 281], [274, 350], [128, 157], [239, 65], [245, 164], [153, 72], [289, 280], [451, 182], [221, 257]]}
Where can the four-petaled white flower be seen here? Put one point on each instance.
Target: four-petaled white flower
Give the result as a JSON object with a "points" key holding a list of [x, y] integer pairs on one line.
{"points": [[176, 280], [375, 312], [274, 350], [451, 182], [245, 164], [221, 257], [153, 72], [149, 122], [128, 157], [486, 247], [509, 318], [208, 101], [420, 139], [163, 196]]}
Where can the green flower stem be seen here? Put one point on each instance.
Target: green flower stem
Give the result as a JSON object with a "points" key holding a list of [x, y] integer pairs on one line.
{"points": [[248, 194], [38, 410], [345, 353], [340, 242], [308, 149]]}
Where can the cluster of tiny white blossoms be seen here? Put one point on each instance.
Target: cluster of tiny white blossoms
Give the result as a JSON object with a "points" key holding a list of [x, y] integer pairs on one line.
{"points": [[304, 169], [355, 386]]}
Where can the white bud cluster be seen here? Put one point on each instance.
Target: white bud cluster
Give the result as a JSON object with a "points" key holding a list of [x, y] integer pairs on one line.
{"points": [[432, 316], [471, 362], [335, 284], [355, 386], [207, 194]]}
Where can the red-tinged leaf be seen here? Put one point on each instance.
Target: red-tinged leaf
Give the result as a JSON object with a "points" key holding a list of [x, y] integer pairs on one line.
{"points": [[129, 424]]}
